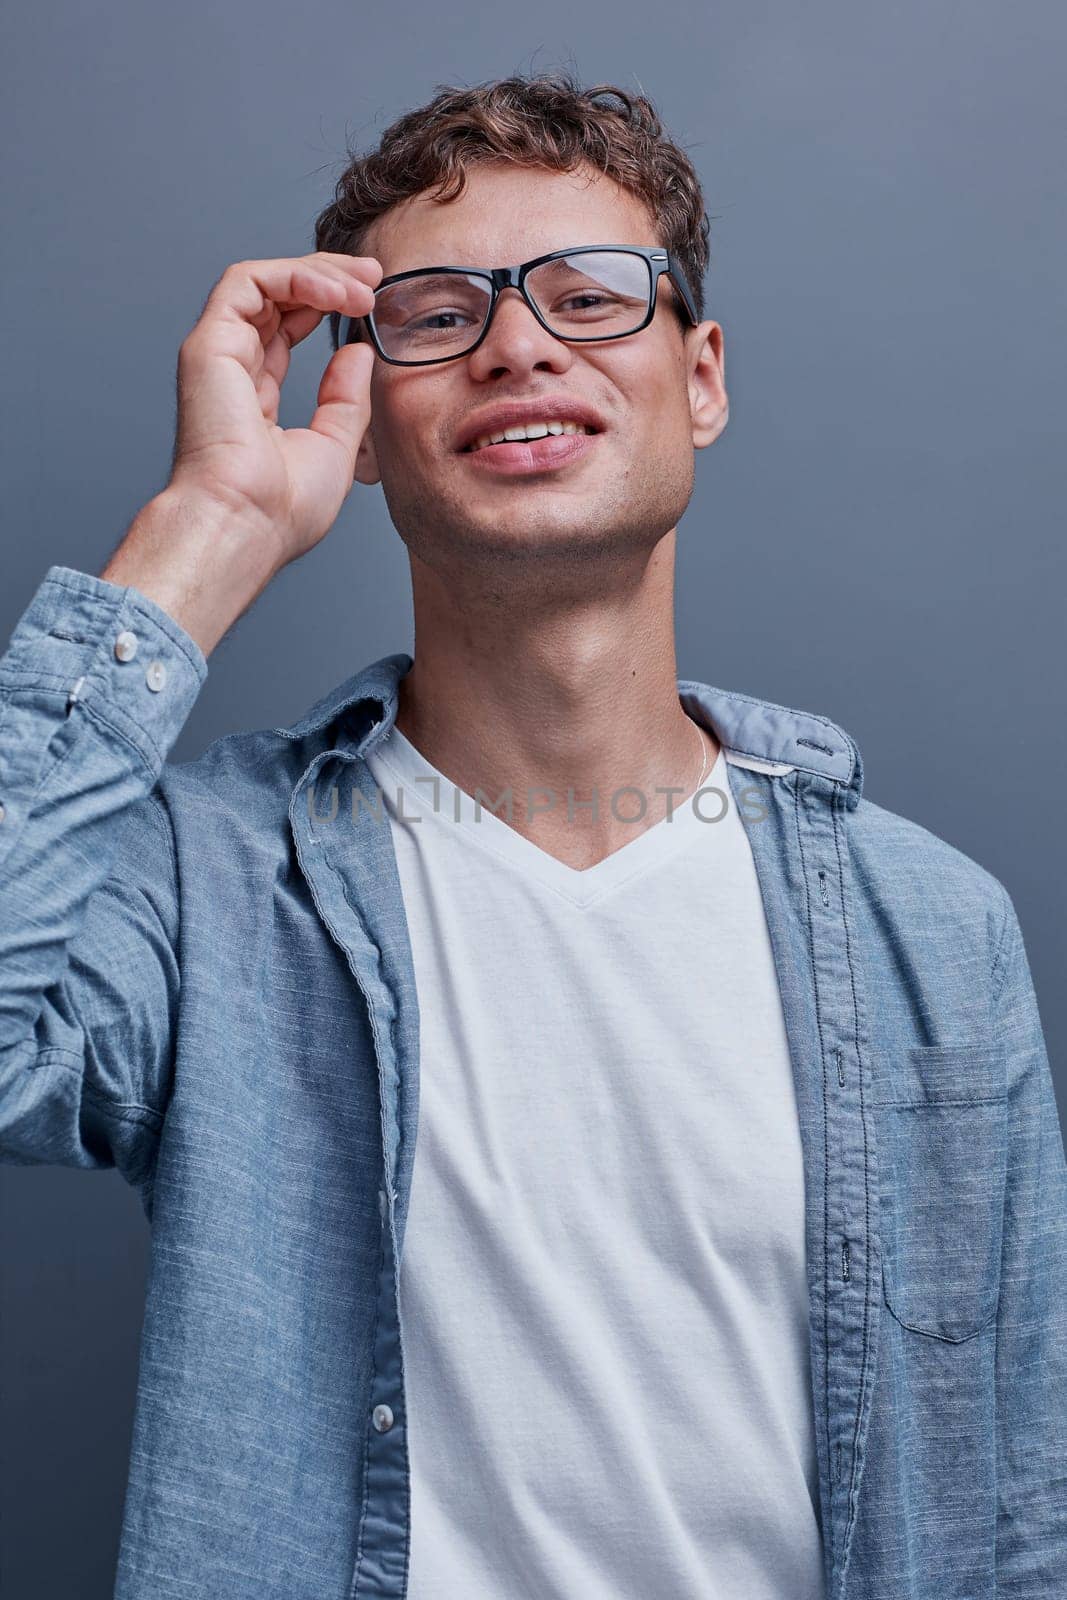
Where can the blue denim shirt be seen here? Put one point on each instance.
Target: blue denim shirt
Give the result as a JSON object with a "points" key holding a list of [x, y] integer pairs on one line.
{"points": [[206, 981]]}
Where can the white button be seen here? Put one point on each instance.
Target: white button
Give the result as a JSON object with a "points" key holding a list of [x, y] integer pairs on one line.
{"points": [[155, 675], [383, 1418], [126, 645]]}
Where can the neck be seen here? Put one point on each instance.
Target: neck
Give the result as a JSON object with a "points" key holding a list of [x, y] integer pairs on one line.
{"points": [[563, 692]]}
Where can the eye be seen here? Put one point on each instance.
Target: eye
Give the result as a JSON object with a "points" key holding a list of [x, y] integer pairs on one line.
{"points": [[437, 320], [590, 298]]}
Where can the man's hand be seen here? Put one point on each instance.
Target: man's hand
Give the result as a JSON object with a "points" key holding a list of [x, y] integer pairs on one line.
{"points": [[230, 371], [246, 496]]}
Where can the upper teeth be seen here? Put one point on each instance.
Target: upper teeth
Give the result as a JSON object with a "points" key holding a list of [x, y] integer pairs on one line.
{"points": [[531, 430]]}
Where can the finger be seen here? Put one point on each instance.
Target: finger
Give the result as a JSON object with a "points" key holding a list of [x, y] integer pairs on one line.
{"points": [[239, 320], [296, 325], [284, 329], [317, 289], [367, 268], [251, 287], [256, 293], [344, 398], [268, 393], [287, 330], [269, 396], [275, 363]]}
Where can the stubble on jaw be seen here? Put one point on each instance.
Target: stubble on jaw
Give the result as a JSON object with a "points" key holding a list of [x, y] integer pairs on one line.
{"points": [[617, 537]]}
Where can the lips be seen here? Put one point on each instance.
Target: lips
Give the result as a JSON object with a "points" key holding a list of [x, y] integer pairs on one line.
{"points": [[528, 457], [519, 435], [518, 413]]}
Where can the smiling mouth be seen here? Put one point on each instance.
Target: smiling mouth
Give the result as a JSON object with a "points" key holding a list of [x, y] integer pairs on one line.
{"points": [[523, 434]]}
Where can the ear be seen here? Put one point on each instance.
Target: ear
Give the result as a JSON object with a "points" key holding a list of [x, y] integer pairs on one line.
{"points": [[709, 403], [367, 459]]}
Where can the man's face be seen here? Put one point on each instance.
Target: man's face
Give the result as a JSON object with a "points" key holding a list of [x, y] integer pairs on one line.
{"points": [[656, 394]]}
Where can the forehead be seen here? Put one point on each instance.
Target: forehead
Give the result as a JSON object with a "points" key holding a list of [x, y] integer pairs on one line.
{"points": [[508, 213]]}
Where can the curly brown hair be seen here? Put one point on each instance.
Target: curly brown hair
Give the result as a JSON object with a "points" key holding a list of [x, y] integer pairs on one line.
{"points": [[548, 121]]}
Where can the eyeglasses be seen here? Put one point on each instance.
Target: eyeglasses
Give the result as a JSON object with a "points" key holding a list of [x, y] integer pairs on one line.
{"points": [[591, 293]]}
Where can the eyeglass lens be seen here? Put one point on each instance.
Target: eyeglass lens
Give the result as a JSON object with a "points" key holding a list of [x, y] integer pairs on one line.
{"points": [[594, 295]]}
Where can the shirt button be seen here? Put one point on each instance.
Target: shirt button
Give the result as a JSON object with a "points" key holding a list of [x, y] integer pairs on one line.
{"points": [[383, 1418], [126, 645], [155, 675]]}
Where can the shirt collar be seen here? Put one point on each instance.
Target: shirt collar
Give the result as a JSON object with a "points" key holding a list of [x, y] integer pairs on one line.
{"points": [[753, 732]]}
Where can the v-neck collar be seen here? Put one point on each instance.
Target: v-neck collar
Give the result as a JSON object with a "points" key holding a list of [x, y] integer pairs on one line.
{"points": [[444, 804]]}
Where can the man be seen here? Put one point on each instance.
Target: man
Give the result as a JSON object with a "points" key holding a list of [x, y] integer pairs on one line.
{"points": [[732, 1260]]}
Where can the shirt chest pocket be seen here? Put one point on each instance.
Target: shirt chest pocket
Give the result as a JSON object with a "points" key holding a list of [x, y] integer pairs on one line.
{"points": [[942, 1157]]}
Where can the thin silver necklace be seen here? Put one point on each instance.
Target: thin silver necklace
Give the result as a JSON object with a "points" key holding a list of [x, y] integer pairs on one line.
{"points": [[704, 765]]}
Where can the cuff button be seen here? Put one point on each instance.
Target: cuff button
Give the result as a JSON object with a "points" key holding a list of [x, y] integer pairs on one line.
{"points": [[155, 675], [126, 645]]}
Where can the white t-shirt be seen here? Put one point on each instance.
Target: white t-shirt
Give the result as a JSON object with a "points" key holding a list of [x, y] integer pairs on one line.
{"points": [[604, 1309]]}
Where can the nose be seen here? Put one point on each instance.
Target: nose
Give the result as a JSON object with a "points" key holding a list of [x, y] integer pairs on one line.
{"points": [[516, 342]]}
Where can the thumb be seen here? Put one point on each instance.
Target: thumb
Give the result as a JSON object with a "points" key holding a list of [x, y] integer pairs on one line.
{"points": [[344, 398]]}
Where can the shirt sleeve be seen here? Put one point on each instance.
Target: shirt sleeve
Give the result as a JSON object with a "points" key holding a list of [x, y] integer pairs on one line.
{"points": [[1031, 1350], [95, 685]]}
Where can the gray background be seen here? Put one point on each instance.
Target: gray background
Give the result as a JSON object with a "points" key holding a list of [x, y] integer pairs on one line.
{"points": [[878, 536]]}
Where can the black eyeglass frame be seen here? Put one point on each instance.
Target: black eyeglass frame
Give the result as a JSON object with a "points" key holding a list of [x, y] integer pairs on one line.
{"points": [[657, 260]]}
